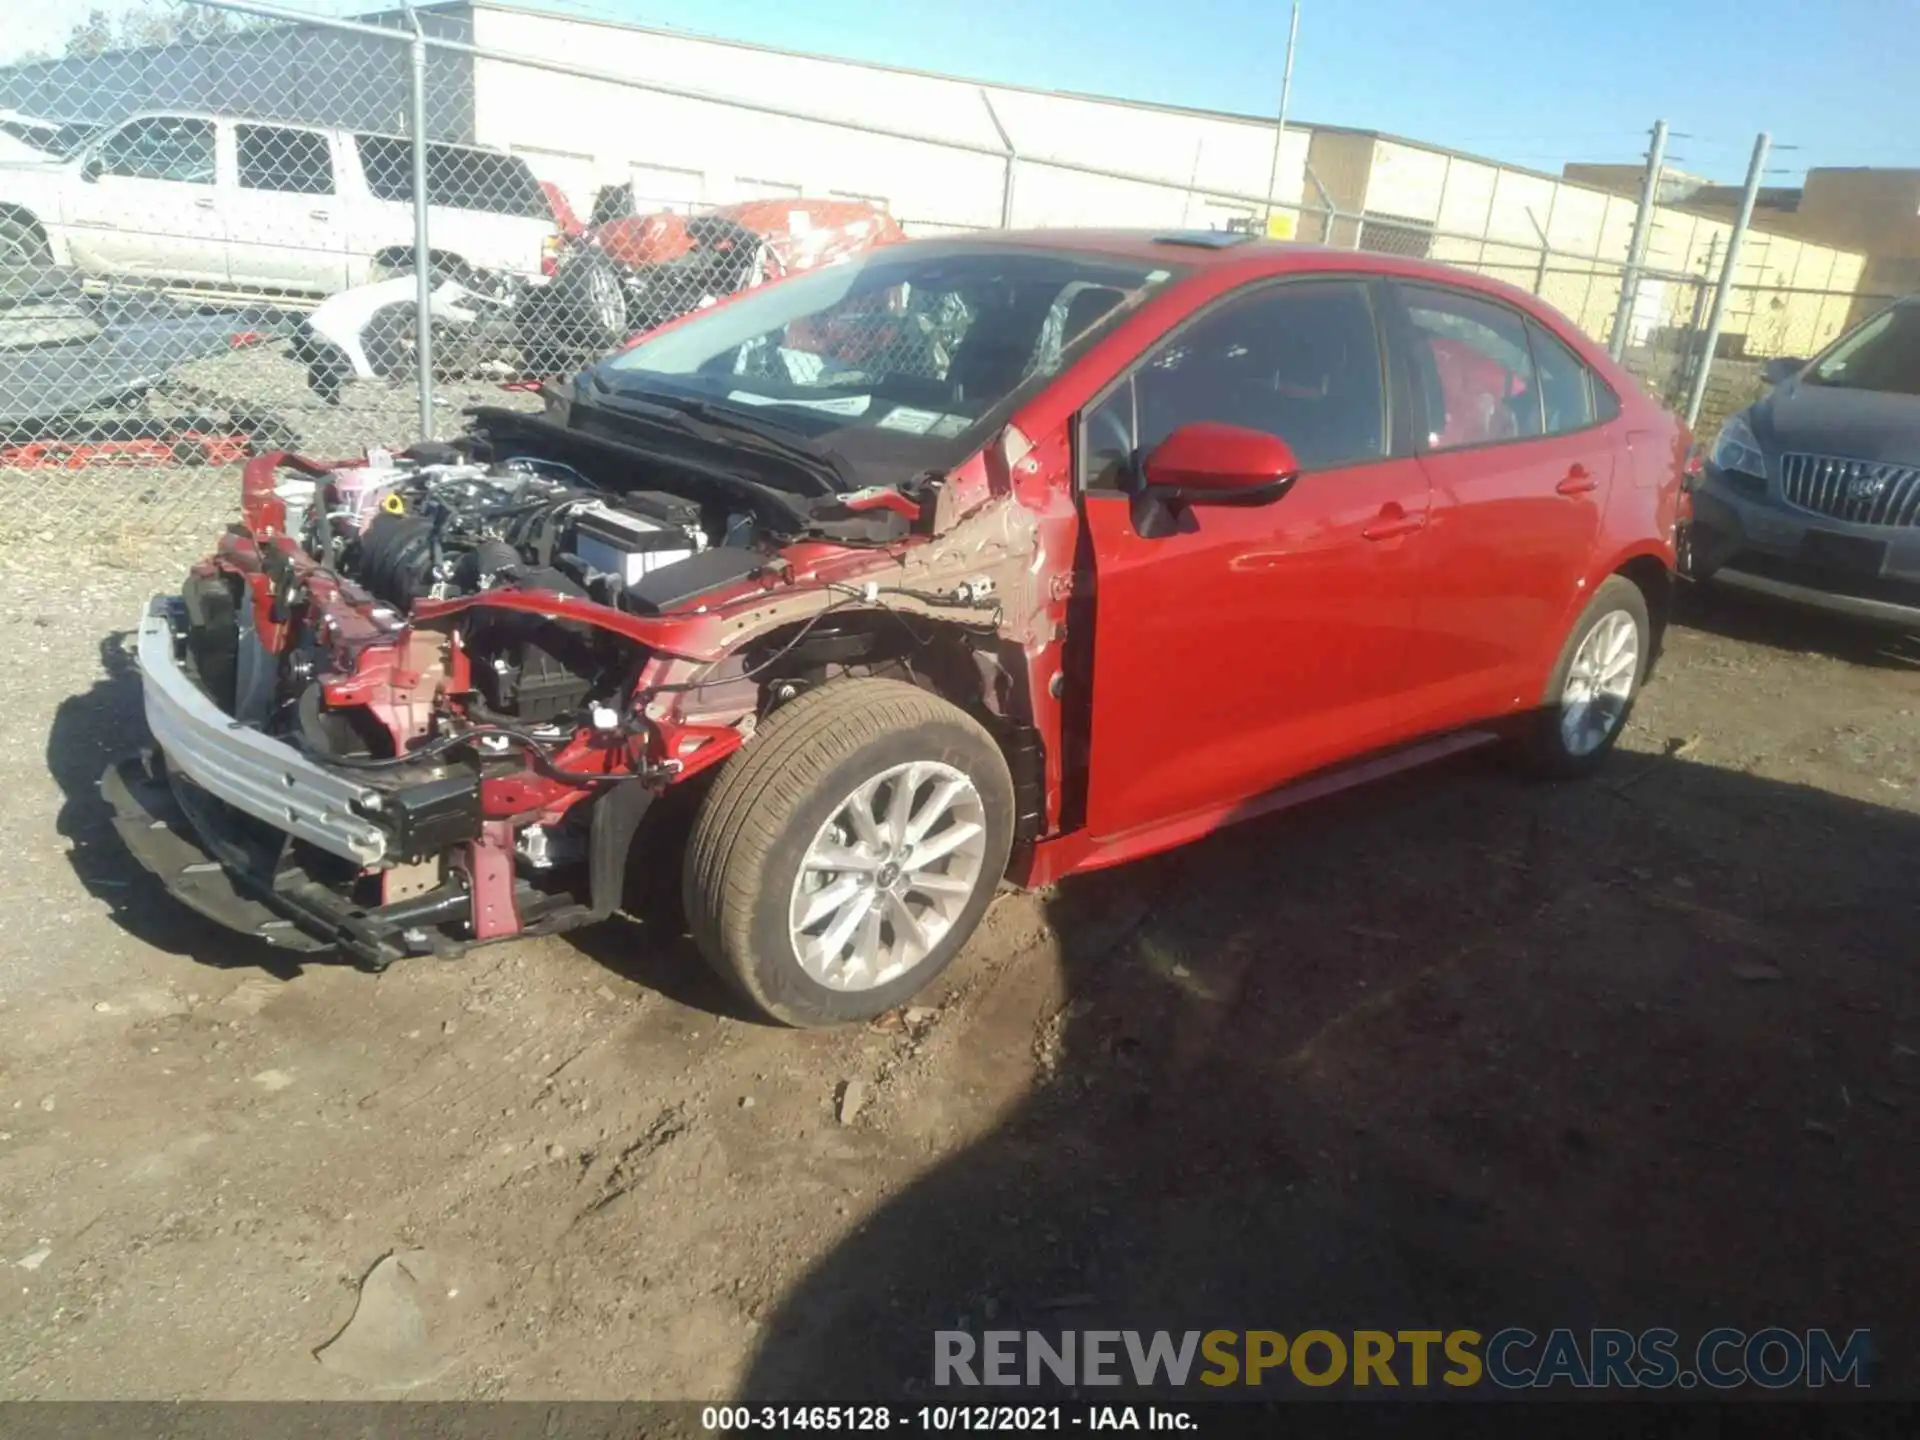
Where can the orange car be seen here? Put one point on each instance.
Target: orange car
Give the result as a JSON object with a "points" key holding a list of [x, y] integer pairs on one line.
{"points": [[628, 274]]}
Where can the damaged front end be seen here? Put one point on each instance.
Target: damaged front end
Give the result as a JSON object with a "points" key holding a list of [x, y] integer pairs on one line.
{"points": [[427, 700]]}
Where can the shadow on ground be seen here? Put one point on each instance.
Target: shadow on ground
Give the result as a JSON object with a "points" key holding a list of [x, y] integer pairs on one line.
{"points": [[1459, 1052], [88, 732], [91, 730]]}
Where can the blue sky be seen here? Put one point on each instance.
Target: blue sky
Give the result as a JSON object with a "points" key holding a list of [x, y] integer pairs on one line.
{"points": [[1532, 82]]}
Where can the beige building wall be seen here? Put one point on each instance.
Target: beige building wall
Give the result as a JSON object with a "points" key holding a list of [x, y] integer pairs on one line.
{"points": [[1490, 219]]}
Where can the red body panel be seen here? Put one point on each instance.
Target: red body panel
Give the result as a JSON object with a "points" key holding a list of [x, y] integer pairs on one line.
{"points": [[564, 218], [1506, 555], [1265, 643]]}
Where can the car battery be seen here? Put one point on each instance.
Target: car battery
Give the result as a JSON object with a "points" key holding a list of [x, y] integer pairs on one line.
{"points": [[627, 545]]}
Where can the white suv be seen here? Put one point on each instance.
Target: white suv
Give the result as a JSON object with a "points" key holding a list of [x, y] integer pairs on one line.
{"points": [[216, 202]]}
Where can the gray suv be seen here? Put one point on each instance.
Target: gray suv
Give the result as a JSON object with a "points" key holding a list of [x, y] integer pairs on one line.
{"points": [[1813, 493]]}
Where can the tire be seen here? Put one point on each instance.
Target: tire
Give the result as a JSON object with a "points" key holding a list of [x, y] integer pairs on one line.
{"points": [[389, 342], [587, 313], [23, 246], [771, 808], [1558, 745]]}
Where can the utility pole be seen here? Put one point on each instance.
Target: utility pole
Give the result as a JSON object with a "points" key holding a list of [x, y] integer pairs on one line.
{"points": [[1637, 247], [1280, 126], [1755, 169]]}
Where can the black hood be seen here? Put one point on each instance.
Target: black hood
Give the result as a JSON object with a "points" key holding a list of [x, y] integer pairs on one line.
{"points": [[1829, 420]]}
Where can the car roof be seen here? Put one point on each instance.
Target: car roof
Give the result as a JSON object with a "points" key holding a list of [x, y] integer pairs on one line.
{"points": [[1191, 249], [314, 125], [1250, 256]]}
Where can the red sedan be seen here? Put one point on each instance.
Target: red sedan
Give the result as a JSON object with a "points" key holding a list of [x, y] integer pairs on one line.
{"points": [[1094, 543]]}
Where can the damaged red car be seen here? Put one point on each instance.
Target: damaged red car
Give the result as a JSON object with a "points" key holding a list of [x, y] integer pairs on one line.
{"points": [[841, 622], [628, 274]]}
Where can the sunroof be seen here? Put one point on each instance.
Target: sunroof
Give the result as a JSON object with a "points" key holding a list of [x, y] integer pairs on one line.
{"points": [[1204, 239]]}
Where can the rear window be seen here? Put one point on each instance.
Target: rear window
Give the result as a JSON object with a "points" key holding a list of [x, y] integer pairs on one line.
{"points": [[275, 158], [458, 177]]}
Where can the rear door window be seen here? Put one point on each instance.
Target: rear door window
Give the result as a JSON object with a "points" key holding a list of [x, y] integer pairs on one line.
{"points": [[273, 157], [1566, 385], [458, 178], [1475, 370]]}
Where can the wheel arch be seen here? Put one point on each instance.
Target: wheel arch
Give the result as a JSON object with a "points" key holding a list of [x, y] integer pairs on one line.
{"points": [[1653, 577], [441, 264], [976, 669]]}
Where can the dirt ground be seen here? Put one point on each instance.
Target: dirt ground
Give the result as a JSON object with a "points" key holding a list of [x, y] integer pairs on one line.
{"points": [[1460, 1051]]}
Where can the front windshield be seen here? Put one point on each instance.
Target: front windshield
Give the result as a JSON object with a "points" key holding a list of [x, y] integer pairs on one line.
{"points": [[1883, 355], [896, 359]]}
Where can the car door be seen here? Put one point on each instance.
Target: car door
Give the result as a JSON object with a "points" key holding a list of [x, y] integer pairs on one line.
{"points": [[1519, 473], [1252, 644], [149, 202], [285, 225]]}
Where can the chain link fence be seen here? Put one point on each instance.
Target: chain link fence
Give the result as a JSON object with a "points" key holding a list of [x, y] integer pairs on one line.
{"points": [[236, 221]]}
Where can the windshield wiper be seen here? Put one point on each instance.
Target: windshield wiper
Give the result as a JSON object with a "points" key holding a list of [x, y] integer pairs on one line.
{"points": [[726, 429]]}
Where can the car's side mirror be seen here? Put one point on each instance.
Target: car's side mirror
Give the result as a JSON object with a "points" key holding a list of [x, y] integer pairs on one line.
{"points": [[1781, 368], [1208, 463]]}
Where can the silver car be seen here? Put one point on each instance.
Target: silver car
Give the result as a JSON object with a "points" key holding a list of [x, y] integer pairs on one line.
{"points": [[1813, 494]]}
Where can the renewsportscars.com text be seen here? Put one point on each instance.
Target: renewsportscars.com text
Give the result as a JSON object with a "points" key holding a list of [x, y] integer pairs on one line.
{"points": [[1510, 1359]]}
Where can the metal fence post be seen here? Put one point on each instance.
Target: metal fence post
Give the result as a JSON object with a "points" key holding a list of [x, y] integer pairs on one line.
{"points": [[422, 255], [1755, 169], [1637, 246], [1540, 266], [1013, 157]]}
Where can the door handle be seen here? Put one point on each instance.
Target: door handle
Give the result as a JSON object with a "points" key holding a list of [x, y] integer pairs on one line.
{"points": [[204, 202], [1394, 521], [317, 215], [1579, 480]]}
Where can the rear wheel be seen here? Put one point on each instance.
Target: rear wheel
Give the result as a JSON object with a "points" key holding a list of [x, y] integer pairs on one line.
{"points": [[846, 853], [1593, 685]]}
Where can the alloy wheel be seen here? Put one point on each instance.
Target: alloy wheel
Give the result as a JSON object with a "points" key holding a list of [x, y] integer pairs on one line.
{"points": [[888, 875], [1600, 683]]}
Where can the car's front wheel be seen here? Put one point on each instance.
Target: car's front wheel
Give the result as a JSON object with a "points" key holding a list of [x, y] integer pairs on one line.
{"points": [[1594, 682], [846, 853]]}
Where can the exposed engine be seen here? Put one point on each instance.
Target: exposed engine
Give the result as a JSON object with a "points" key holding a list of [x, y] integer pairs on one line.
{"points": [[407, 530], [437, 523]]}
